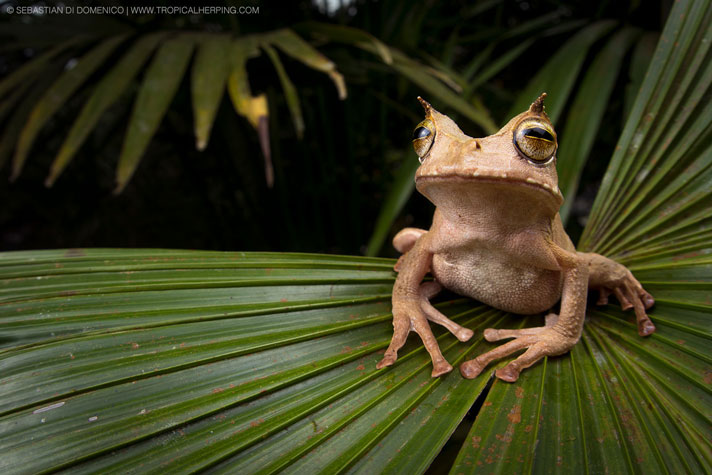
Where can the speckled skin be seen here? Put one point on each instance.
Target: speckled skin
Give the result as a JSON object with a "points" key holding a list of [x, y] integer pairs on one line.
{"points": [[497, 237]]}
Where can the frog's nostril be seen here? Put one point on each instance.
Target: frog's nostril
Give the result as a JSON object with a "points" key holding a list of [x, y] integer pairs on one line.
{"points": [[477, 145]]}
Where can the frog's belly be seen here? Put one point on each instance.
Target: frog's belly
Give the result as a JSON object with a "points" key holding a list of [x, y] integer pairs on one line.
{"points": [[490, 277]]}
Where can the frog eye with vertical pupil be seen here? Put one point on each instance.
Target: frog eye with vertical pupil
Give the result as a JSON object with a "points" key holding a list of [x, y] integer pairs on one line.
{"points": [[536, 140], [423, 137]]}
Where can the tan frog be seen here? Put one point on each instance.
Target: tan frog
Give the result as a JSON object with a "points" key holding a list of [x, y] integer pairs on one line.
{"points": [[497, 237]]}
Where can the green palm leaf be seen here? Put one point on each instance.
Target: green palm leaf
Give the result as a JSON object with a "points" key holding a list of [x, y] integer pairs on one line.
{"points": [[105, 94], [34, 67], [220, 59], [123, 360], [209, 75], [57, 94], [586, 114], [155, 95]]}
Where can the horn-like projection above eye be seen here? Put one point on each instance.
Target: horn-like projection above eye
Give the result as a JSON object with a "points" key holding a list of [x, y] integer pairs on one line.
{"points": [[536, 140], [423, 138]]}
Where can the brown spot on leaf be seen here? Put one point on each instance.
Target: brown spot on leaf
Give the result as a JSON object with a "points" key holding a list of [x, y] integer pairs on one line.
{"points": [[218, 390], [75, 253], [515, 415], [476, 442], [360, 367], [519, 392], [689, 255]]}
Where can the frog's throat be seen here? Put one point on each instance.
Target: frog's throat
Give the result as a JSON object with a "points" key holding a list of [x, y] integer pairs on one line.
{"points": [[475, 177]]}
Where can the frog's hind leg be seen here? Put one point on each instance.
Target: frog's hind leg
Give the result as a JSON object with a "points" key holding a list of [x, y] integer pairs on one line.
{"points": [[495, 334], [607, 276], [429, 290], [404, 241]]}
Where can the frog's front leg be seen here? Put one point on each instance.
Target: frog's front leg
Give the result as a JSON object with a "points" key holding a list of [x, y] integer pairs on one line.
{"points": [[607, 276], [557, 337], [412, 310]]}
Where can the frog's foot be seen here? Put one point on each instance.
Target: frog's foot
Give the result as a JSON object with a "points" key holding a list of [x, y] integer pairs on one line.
{"points": [[414, 315], [609, 277], [539, 341]]}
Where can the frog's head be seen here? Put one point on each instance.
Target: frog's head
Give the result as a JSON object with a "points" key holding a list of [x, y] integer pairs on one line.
{"points": [[522, 154]]}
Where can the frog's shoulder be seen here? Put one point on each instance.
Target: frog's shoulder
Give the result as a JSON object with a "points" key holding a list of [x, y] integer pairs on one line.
{"points": [[559, 235]]}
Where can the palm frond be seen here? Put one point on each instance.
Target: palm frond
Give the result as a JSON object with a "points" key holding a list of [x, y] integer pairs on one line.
{"points": [[220, 60]]}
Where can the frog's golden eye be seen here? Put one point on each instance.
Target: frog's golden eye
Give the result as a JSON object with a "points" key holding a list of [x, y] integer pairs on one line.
{"points": [[423, 138], [536, 140]]}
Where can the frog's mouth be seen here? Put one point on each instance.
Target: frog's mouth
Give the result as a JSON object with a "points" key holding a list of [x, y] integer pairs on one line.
{"points": [[425, 181]]}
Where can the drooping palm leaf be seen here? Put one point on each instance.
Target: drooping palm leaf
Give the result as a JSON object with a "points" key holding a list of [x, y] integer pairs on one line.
{"points": [[219, 60], [290, 92], [105, 94], [155, 95], [210, 71], [56, 95], [411, 69], [33, 67]]}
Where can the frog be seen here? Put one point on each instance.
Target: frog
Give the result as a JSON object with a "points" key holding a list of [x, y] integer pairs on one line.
{"points": [[497, 237]]}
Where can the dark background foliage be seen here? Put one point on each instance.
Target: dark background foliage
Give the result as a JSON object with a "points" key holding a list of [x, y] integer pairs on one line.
{"points": [[329, 185]]}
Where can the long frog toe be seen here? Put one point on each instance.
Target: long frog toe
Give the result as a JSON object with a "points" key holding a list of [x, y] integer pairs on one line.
{"points": [[387, 360], [440, 368], [471, 369], [509, 373], [640, 300], [645, 327]]}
